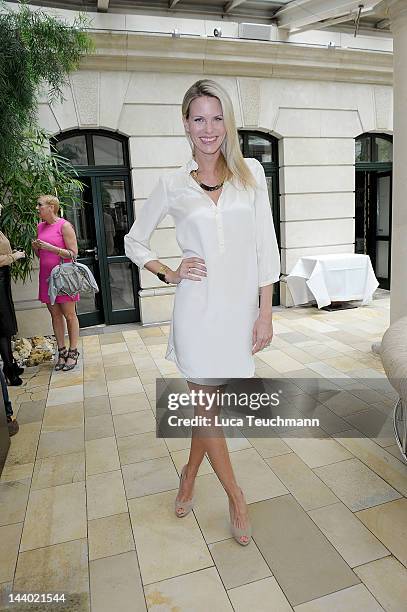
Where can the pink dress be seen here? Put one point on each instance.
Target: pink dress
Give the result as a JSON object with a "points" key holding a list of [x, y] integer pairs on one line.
{"points": [[51, 233]]}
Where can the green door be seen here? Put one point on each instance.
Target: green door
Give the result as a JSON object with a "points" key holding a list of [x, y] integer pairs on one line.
{"points": [[102, 216]]}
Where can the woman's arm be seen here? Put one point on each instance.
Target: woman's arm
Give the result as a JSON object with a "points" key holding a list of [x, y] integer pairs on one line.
{"points": [[69, 236], [6, 260]]}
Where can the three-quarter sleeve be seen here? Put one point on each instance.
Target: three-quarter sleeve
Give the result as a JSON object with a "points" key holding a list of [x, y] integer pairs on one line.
{"points": [[6, 260], [153, 211], [268, 256]]}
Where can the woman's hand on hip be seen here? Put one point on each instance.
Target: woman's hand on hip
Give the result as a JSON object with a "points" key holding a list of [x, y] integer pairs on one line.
{"points": [[191, 268], [262, 333]]}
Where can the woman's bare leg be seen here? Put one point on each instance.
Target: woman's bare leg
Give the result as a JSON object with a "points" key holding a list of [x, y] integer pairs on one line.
{"points": [[72, 323], [216, 449], [58, 323]]}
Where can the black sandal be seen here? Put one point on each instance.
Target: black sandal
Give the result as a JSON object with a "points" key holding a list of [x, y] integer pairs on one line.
{"points": [[62, 354], [72, 354]]}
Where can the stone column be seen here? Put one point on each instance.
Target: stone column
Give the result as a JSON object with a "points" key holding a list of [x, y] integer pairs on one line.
{"points": [[398, 295]]}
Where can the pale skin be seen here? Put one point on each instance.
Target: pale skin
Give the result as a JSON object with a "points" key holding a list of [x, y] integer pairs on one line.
{"points": [[207, 131], [64, 311]]}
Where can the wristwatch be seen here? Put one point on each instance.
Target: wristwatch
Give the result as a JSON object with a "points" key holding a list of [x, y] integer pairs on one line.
{"points": [[161, 274]]}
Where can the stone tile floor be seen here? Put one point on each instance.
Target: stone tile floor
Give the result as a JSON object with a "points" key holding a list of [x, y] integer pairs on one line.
{"points": [[86, 497]]}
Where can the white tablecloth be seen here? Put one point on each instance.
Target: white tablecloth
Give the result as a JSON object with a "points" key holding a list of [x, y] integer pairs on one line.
{"points": [[339, 277]]}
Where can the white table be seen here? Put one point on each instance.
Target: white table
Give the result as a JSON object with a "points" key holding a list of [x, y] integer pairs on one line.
{"points": [[339, 277]]}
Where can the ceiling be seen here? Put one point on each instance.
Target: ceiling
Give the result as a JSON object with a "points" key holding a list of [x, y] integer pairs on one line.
{"points": [[291, 15]]}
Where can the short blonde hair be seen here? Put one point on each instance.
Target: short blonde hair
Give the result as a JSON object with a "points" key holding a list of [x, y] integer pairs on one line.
{"points": [[51, 201]]}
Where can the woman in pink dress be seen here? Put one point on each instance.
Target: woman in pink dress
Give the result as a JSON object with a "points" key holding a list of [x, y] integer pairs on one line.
{"points": [[56, 238]]}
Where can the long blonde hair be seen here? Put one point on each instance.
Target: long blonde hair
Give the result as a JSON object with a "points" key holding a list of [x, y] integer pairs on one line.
{"points": [[232, 160]]}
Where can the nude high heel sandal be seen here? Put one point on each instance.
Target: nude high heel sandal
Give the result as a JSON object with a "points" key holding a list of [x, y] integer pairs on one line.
{"points": [[183, 508], [238, 533]]}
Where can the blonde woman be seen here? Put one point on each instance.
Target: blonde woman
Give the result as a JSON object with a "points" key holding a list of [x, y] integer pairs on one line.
{"points": [[224, 227], [56, 239]]}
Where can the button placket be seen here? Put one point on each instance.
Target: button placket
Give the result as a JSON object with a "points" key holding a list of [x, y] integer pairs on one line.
{"points": [[219, 227]]}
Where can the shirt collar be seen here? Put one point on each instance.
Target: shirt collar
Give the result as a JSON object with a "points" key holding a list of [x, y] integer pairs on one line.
{"points": [[191, 165]]}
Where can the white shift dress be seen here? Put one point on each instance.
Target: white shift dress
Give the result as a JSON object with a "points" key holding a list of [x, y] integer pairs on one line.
{"points": [[212, 320]]}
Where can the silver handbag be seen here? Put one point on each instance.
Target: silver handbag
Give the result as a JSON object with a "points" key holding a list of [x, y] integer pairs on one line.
{"points": [[70, 279]]}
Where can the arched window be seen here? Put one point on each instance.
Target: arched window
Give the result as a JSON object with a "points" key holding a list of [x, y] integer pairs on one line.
{"points": [[101, 215], [87, 148], [264, 147], [374, 148]]}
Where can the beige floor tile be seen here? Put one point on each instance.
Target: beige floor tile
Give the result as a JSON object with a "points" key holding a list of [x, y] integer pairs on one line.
{"points": [[134, 423], [61, 568], [166, 545], [66, 379], [96, 406], [377, 458], [353, 599], [141, 447], [317, 451], [111, 535], [304, 572], [16, 472], [101, 455], [200, 591], [115, 584], [270, 447], [118, 372], [31, 412], [351, 539], [149, 477], [211, 508], [343, 403], [125, 386], [255, 477], [113, 338], [262, 596], [280, 361], [100, 426], [105, 495], [237, 443], [57, 397], [149, 376], [23, 446], [95, 388], [13, 501], [63, 417], [386, 579], [301, 481], [10, 540], [61, 442], [118, 359], [356, 485], [149, 331], [388, 522], [59, 470], [134, 402], [395, 451], [375, 425], [55, 515], [238, 565], [113, 349], [92, 372]]}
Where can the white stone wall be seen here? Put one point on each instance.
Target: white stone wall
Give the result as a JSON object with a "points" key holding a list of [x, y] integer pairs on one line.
{"points": [[315, 121]]}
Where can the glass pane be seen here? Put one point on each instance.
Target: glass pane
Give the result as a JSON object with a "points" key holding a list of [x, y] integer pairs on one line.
{"points": [[260, 148], [107, 151], [73, 149], [121, 285], [382, 259], [383, 206], [362, 149], [88, 302], [240, 141], [80, 214], [115, 218], [384, 150]]}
